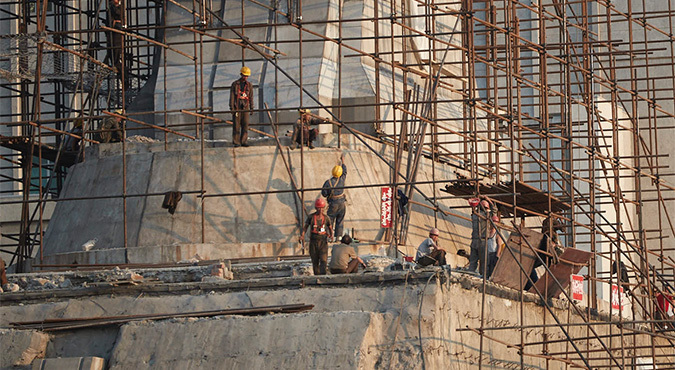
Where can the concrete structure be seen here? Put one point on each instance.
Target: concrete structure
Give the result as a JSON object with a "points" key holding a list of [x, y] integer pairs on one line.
{"points": [[255, 225], [397, 320], [571, 98]]}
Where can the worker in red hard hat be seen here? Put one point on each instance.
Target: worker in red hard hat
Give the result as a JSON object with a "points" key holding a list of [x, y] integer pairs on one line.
{"points": [[481, 209], [241, 104], [429, 252], [320, 231]]}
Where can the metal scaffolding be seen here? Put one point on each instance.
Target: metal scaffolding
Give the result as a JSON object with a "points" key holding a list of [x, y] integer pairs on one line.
{"points": [[573, 98]]}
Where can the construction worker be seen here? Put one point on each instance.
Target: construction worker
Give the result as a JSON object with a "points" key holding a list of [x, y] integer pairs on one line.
{"points": [[481, 210], [111, 128], [72, 144], [664, 312], [307, 134], [333, 190], [116, 39], [494, 242], [318, 240], [549, 244], [343, 259], [241, 104], [429, 253]]}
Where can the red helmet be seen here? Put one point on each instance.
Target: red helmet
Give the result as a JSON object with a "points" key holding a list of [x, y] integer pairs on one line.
{"points": [[320, 203], [474, 202]]}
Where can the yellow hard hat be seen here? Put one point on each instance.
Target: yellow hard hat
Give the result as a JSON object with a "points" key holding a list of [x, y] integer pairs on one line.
{"points": [[117, 111], [303, 111], [337, 171], [245, 71]]}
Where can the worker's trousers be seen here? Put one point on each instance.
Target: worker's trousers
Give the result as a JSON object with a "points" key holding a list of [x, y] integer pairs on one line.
{"points": [[352, 267], [318, 252], [477, 255], [336, 212], [436, 258], [308, 135], [240, 127]]}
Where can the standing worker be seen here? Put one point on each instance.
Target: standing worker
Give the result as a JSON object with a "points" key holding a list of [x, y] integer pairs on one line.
{"points": [[318, 239], [479, 220], [72, 144], [116, 39], [303, 130], [494, 243], [241, 104], [333, 190]]}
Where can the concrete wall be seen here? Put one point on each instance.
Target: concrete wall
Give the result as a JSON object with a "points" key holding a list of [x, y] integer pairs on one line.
{"points": [[354, 324], [230, 221]]}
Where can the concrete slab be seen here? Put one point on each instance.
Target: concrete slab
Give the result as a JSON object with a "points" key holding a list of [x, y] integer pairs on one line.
{"points": [[71, 363], [311, 341], [21, 347]]}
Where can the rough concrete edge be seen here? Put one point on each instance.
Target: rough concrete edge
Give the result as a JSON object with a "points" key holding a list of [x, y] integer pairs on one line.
{"points": [[36, 348], [364, 279]]}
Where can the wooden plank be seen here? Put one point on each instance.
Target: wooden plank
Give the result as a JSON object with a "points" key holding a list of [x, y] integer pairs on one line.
{"points": [[571, 261], [507, 272]]}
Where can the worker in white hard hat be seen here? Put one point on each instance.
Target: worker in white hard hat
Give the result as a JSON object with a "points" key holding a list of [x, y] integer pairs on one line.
{"points": [[429, 252], [333, 190], [303, 133], [241, 104]]}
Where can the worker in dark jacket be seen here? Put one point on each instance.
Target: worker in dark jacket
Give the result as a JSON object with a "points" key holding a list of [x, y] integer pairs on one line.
{"points": [[481, 210], [241, 104], [71, 143], [333, 190], [115, 39], [320, 231], [303, 130]]}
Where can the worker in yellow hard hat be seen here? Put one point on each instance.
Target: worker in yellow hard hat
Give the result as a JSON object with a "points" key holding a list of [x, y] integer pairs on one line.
{"points": [[303, 132], [333, 190], [241, 104]]}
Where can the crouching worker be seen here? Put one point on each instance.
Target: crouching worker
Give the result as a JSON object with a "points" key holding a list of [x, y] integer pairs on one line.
{"points": [[344, 259], [319, 233], [429, 253]]}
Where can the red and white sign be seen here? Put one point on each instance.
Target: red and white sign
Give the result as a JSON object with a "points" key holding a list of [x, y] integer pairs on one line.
{"points": [[617, 291], [385, 207], [577, 287]]}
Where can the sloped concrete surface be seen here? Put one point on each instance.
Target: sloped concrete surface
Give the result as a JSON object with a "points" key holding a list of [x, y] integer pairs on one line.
{"points": [[21, 347], [252, 225]]}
